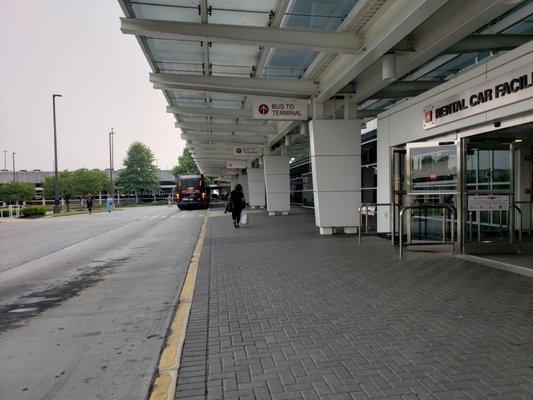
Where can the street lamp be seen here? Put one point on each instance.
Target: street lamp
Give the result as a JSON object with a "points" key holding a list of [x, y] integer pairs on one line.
{"points": [[5, 160], [57, 207], [111, 162], [14, 176]]}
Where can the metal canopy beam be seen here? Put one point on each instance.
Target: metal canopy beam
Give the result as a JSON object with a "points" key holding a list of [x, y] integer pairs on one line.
{"points": [[487, 43], [208, 111], [368, 113], [224, 84], [402, 89], [298, 39], [236, 139], [433, 37], [261, 129], [394, 23], [281, 8]]}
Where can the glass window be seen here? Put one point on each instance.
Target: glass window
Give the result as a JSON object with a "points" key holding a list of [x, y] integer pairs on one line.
{"points": [[369, 153], [369, 196], [434, 168], [369, 177]]}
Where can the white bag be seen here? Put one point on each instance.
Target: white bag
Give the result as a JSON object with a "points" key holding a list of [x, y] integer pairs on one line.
{"points": [[244, 217]]}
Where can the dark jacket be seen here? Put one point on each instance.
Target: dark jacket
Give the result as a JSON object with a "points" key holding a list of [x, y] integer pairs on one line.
{"points": [[236, 201]]}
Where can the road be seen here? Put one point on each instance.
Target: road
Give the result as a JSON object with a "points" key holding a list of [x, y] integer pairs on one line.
{"points": [[85, 301]]}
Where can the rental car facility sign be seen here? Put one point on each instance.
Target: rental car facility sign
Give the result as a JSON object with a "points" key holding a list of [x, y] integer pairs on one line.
{"points": [[279, 109], [504, 90]]}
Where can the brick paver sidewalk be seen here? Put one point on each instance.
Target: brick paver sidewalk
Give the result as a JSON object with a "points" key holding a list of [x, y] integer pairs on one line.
{"points": [[283, 313]]}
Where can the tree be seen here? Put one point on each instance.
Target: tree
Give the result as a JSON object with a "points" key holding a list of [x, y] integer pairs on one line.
{"points": [[140, 175], [186, 165], [87, 182], [66, 187], [16, 192]]}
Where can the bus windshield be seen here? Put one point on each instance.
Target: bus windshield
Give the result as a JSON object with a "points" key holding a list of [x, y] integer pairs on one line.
{"points": [[186, 183]]}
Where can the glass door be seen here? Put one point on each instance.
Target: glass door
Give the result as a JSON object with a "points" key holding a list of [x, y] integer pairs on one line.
{"points": [[398, 188], [488, 194], [432, 177]]}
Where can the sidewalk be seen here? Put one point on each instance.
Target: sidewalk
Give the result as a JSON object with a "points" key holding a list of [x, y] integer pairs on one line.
{"points": [[280, 312]]}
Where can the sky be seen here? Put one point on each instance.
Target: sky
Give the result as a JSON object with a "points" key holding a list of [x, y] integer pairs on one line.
{"points": [[75, 48]]}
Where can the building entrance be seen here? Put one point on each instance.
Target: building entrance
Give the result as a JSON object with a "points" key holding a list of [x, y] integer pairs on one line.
{"points": [[473, 192], [497, 192]]}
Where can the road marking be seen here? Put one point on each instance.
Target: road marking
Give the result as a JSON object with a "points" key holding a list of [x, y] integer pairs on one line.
{"points": [[154, 217], [164, 386], [146, 216], [163, 216]]}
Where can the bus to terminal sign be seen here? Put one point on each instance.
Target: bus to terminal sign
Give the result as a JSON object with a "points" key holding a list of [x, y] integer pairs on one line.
{"points": [[504, 90], [279, 109]]}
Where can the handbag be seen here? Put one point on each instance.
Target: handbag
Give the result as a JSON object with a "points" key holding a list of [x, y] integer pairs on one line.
{"points": [[244, 217], [229, 206]]}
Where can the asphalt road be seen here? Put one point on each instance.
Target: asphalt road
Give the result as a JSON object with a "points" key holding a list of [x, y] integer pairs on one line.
{"points": [[85, 301]]}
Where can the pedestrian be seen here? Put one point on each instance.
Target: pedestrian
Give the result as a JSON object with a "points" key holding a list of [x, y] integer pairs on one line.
{"points": [[169, 201], [236, 204], [109, 203], [89, 200]]}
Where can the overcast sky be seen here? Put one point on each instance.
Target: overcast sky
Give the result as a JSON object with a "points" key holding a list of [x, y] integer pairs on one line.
{"points": [[75, 48]]}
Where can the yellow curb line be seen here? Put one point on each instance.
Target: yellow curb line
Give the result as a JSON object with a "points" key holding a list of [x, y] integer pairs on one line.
{"points": [[164, 387]]}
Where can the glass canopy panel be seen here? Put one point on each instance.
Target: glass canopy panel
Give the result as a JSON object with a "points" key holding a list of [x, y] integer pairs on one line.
{"points": [[225, 104], [525, 27], [180, 68], [230, 59], [188, 102], [176, 51], [455, 66], [285, 63], [231, 70], [317, 14], [167, 10], [227, 96], [244, 5], [241, 12], [223, 120], [197, 119]]}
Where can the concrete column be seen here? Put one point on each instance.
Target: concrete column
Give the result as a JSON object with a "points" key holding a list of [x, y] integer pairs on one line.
{"points": [[336, 162], [256, 187], [243, 180], [233, 182], [384, 175], [277, 184]]}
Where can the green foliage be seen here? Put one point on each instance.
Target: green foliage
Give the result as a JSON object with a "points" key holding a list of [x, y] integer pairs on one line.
{"points": [[16, 191], [30, 211], [186, 165], [140, 175], [67, 188], [86, 181]]}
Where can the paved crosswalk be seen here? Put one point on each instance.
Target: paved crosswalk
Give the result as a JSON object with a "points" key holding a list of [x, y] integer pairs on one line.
{"points": [[100, 217]]}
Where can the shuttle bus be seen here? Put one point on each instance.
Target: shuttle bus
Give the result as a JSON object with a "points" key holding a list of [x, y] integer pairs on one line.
{"points": [[191, 192]]}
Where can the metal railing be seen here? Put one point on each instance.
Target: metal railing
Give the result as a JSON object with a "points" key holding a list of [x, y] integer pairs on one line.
{"points": [[511, 230], [530, 229], [13, 211], [442, 207], [366, 205]]}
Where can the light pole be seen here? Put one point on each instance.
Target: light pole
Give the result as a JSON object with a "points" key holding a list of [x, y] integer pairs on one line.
{"points": [[5, 160], [111, 162], [14, 176], [57, 207]]}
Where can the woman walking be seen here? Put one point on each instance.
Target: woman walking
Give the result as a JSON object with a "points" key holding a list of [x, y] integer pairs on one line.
{"points": [[236, 204]]}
